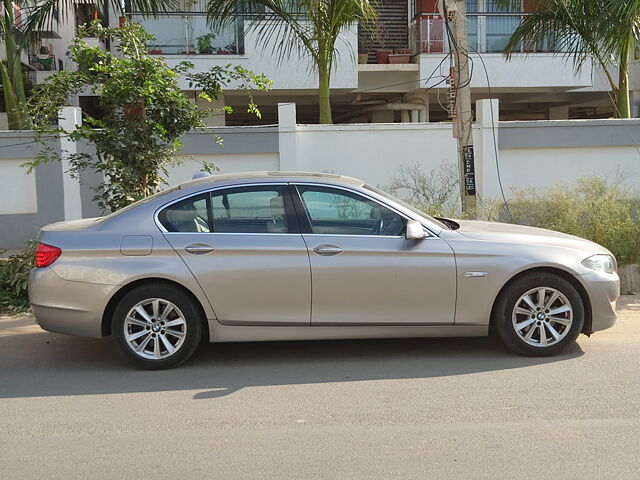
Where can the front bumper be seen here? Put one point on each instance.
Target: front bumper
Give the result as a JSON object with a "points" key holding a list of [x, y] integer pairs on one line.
{"points": [[63, 306], [603, 290]]}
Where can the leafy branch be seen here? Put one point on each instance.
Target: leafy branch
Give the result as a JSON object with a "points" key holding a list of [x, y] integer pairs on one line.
{"points": [[144, 113]]}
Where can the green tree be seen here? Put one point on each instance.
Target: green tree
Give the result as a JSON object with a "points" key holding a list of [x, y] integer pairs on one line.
{"points": [[310, 27], [11, 70], [19, 33], [144, 111], [605, 31]]}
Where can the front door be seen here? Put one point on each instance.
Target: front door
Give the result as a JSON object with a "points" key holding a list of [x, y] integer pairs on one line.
{"points": [[364, 271], [244, 247]]}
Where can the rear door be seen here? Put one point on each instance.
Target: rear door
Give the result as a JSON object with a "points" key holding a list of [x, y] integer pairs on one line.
{"points": [[244, 247], [364, 271]]}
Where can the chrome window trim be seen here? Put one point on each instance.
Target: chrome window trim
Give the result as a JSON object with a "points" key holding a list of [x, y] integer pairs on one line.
{"points": [[232, 233], [290, 234], [209, 190], [357, 192], [350, 235], [430, 234]]}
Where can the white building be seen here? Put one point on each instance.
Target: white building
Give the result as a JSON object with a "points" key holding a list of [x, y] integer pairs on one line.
{"points": [[534, 84]]}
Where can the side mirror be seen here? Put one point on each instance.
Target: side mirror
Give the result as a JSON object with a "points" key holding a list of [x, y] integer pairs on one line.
{"points": [[414, 230]]}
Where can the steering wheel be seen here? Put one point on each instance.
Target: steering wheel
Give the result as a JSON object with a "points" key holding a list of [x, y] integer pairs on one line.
{"points": [[377, 230], [390, 228]]}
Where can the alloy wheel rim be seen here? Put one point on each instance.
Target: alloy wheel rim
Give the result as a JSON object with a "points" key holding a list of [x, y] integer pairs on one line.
{"points": [[542, 317], [155, 329]]}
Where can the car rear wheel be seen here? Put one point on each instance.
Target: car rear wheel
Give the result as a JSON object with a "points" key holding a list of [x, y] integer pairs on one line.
{"points": [[539, 315], [156, 326]]}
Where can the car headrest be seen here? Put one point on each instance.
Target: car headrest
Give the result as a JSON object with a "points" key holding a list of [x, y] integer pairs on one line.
{"points": [[277, 206]]}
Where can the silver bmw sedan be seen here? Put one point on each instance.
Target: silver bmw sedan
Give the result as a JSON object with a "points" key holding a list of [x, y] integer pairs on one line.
{"points": [[300, 256]]}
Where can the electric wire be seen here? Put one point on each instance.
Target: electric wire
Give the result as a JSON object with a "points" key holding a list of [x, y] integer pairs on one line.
{"points": [[493, 135], [18, 144], [420, 80]]}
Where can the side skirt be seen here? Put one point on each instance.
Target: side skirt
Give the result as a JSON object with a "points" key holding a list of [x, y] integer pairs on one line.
{"points": [[227, 333]]}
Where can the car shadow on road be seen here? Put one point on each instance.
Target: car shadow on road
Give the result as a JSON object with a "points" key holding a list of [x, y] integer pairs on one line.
{"points": [[36, 364], [290, 363]]}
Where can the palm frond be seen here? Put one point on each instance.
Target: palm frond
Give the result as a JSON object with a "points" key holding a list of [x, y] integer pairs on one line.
{"points": [[621, 31], [46, 14], [571, 27], [306, 27]]}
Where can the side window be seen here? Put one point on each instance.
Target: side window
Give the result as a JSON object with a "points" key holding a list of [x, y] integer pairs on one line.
{"points": [[338, 212], [250, 210], [189, 215]]}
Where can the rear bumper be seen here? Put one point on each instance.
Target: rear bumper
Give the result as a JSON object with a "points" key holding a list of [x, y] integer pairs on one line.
{"points": [[603, 290], [62, 306]]}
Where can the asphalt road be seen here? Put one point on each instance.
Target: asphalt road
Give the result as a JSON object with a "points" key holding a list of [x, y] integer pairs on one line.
{"points": [[428, 409]]}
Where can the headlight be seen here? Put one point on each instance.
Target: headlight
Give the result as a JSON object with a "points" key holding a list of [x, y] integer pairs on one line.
{"points": [[600, 263]]}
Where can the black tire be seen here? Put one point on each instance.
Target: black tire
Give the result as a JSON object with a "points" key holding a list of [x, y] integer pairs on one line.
{"points": [[503, 323], [186, 306]]}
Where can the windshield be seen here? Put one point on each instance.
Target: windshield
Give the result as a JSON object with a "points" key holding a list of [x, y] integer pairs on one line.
{"points": [[139, 202], [407, 206]]}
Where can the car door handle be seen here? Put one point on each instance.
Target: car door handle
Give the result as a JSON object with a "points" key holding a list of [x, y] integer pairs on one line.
{"points": [[327, 250], [198, 248]]}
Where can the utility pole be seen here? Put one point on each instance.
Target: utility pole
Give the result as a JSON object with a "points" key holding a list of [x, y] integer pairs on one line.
{"points": [[460, 95]]}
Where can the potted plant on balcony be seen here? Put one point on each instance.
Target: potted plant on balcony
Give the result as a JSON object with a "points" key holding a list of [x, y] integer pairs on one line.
{"points": [[368, 34], [400, 55], [204, 43], [380, 38]]}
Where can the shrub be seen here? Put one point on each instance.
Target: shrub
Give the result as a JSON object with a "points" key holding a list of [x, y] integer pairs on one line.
{"points": [[437, 193], [607, 213], [14, 278]]}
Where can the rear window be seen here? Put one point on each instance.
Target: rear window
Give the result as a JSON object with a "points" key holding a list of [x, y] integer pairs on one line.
{"points": [[259, 209], [189, 215]]}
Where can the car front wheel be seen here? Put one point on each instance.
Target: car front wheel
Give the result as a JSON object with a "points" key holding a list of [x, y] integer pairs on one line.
{"points": [[156, 326], [539, 315]]}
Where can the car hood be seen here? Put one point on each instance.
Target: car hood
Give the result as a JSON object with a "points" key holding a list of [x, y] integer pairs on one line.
{"points": [[521, 234]]}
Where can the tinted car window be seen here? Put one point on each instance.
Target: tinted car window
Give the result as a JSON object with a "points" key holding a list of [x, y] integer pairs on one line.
{"points": [[250, 210], [407, 206], [338, 212], [189, 215]]}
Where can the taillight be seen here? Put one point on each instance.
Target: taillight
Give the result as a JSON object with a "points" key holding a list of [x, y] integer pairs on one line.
{"points": [[46, 255]]}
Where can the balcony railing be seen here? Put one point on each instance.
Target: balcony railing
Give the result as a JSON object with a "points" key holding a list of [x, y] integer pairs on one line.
{"points": [[488, 32], [45, 62], [189, 34]]}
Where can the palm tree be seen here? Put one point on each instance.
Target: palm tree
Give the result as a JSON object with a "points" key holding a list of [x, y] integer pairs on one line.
{"points": [[18, 33], [11, 71], [605, 31], [310, 27]]}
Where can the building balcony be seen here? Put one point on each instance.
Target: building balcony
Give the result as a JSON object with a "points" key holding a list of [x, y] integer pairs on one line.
{"points": [[189, 34], [534, 65], [488, 33], [43, 65]]}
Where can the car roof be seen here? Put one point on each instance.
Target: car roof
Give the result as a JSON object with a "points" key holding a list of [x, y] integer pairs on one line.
{"points": [[194, 187], [266, 176]]}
